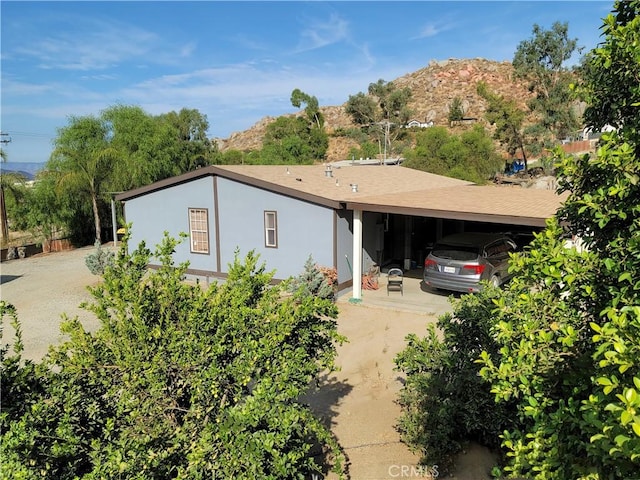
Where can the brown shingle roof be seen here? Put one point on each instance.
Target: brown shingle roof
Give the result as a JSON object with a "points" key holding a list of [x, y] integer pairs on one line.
{"points": [[385, 188], [509, 204], [370, 179]]}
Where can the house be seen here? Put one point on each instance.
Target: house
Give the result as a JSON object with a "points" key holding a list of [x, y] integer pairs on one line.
{"points": [[418, 124], [348, 217]]}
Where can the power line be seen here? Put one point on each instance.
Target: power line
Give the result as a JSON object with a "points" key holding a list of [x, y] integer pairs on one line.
{"points": [[32, 134], [3, 139]]}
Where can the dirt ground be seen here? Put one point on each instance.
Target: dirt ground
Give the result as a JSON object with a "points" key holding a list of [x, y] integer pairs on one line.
{"points": [[358, 401]]}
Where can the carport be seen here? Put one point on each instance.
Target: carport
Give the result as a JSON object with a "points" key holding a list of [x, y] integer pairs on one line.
{"points": [[399, 228]]}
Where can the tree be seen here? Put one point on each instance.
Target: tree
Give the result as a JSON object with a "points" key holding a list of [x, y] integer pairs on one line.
{"points": [[8, 184], [541, 61], [296, 140], [191, 146], [121, 149], [456, 112], [47, 211], [314, 281], [611, 74], [508, 120], [565, 334], [83, 160], [312, 110], [382, 113], [179, 382], [470, 156]]}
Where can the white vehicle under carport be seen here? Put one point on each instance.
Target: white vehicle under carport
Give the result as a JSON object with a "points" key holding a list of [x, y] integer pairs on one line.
{"points": [[463, 261]]}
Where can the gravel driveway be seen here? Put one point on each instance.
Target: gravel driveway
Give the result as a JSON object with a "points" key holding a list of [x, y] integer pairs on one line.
{"points": [[43, 288]]}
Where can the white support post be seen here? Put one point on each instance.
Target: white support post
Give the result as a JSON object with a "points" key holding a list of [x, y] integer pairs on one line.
{"points": [[113, 221], [357, 255]]}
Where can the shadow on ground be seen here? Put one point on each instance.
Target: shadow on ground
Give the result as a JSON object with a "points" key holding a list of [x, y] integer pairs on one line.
{"points": [[324, 398], [8, 278]]}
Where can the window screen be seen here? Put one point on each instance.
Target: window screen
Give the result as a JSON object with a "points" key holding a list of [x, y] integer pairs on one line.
{"points": [[199, 230], [270, 229]]}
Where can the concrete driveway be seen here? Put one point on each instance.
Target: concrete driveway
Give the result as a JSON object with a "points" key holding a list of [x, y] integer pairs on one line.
{"points": [[415, 297]]}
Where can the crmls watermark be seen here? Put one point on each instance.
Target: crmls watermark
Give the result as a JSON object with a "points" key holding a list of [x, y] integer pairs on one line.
{"points": [[414, 471]]}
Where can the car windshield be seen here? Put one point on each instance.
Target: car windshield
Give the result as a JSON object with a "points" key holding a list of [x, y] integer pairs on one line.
{"points": [[455, 252]]}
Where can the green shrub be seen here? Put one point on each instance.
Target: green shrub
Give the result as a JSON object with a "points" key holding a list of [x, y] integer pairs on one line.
{"points": [[315, 281], [98, 261], [178, 382], [445, 402]]}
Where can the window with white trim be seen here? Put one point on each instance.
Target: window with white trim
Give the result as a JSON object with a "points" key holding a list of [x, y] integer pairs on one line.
{"points": [[199, 230], [270, 229]]}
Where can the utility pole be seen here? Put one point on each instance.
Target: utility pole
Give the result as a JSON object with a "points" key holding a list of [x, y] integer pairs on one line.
{"points": [[4, 224]]}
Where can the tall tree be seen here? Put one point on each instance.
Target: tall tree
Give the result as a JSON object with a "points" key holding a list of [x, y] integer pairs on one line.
{"points": [[362, 109], [141, 146], [508, 120], [611, 74], [542, 61], [296, 140], [564, 336], [312, 109], [9, 183], [190, 146], [83, 159], [382, 113]]}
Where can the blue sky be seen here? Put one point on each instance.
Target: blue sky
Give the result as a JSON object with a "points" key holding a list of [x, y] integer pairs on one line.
{"points": [[237, 62]]}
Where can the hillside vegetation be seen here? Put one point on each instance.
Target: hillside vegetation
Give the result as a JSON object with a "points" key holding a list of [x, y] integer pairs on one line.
{"points": [[433, 89]]}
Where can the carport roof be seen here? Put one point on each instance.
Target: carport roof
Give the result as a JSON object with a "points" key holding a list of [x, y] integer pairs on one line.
{"points": [[505, 204], [386, 189]]}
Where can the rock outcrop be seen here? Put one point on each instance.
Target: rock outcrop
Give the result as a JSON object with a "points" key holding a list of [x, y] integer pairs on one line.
{"points": [[433, 89]]}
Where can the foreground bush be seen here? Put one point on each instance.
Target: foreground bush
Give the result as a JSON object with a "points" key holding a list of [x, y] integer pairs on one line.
{"points": [[445, 402], [179, 381], [563, 339]]}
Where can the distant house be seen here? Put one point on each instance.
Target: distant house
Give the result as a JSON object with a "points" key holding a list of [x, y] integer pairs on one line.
{"points": [[348, 217], [418, 124]]}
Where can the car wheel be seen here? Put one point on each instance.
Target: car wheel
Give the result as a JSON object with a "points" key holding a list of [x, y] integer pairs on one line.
{"points": [[495, 281]]}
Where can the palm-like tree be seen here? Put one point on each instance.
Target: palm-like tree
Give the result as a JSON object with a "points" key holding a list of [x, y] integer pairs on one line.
{"points": [[83, 161], [8, 183]]}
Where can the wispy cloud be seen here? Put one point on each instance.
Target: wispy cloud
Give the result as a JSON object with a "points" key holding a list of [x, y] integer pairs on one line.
{"points": [[246, 42], [99, 46], [80, 43], [433, 29], [319, 34]]}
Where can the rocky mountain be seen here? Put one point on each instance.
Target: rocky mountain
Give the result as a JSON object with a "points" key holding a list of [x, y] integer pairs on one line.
{"points": [[433, 89]]}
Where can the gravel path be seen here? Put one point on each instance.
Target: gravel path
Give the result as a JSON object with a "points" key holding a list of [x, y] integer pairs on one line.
{"points": [[43, 288]]}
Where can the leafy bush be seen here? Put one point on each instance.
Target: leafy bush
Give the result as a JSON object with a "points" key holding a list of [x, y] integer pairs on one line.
{"points": [[564, 337], [470, 156], [179, 382], [445, 402]]}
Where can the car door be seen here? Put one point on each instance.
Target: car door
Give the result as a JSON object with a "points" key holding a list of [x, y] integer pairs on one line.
{"points": [[498, 256], [503, 252]]}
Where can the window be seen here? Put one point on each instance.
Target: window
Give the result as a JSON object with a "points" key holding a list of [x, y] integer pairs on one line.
{"points": [[199, 230], [270, 229]]}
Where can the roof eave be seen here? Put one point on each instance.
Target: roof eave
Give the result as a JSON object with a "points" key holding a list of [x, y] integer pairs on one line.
{"points": [[213, 170], [450, 214]]}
